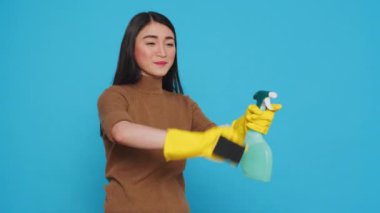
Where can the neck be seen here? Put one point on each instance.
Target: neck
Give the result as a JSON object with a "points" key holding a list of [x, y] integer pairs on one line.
{"points": [[149, 84]]}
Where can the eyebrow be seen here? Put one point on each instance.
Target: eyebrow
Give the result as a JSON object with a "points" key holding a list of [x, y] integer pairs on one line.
{"points": [[154, 36]]}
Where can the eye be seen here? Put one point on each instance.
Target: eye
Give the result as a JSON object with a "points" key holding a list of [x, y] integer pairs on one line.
{"points": [[170, 44], [150, 43]]}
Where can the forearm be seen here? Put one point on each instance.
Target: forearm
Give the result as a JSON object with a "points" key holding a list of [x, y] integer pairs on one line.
{"points": [[138, 136], [180, 144]]}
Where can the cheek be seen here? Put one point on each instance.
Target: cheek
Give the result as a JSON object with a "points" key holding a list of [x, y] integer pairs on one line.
{"points": [[140, 55], [171, 54]]}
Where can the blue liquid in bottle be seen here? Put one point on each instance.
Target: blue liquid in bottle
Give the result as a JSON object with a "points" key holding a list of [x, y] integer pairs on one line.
{"points": [[256, 163]]}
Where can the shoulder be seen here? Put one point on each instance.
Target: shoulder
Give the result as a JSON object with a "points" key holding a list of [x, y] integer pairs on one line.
{"points": [[113, 92], [185, 99], [114, 89]]}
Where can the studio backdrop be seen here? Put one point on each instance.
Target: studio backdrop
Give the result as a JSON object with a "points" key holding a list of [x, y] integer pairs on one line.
{"points": [[321, 57]]}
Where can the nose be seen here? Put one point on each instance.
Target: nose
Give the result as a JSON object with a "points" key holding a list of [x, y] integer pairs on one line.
{"points": [[161, 52]]}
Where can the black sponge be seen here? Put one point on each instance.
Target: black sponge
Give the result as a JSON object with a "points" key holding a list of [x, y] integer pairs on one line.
{"points": [[228, 150]]}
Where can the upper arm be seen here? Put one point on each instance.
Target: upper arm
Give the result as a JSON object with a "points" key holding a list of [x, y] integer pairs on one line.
{"points": [[199, 120], [112, 108]]}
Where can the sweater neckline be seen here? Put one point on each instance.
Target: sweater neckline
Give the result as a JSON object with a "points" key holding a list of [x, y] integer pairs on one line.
{"points": [[149, 84]]}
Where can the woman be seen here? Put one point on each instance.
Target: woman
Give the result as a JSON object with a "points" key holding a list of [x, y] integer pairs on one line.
{"points": [[149, 127]]}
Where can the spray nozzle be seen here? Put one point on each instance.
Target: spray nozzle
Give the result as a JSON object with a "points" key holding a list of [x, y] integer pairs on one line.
{"points": [[263, 99]]}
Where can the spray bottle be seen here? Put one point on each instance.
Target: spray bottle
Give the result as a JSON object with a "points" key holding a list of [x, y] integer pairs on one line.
{"points": [[256, 163]]}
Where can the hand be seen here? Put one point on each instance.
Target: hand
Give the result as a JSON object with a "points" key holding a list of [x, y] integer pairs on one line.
{"points": [[181, 144], [255, 119]]}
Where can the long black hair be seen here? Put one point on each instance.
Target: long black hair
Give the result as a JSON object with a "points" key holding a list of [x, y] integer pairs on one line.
{"points": [[128, 71]]}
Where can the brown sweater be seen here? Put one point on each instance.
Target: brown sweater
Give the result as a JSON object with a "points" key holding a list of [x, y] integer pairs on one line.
{"points": [[139, 179]]}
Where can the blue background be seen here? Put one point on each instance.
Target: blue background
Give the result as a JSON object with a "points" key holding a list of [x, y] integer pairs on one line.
{"points": [[322, 57]]}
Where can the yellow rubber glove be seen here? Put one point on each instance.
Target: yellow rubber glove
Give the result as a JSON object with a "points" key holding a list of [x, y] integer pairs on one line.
{"points": [[182, 144], [255, 119]]}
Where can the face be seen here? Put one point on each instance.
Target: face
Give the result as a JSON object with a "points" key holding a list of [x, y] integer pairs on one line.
{"points": [[155, 49]]}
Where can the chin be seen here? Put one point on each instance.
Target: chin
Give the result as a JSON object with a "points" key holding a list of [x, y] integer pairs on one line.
{"points": [[158, 74]]}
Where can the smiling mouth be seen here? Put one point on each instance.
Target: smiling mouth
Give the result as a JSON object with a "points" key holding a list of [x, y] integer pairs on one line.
{"points": [[161, 63]]}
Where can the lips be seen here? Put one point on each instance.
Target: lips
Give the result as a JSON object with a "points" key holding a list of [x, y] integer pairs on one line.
{"points": [[160, 63]]}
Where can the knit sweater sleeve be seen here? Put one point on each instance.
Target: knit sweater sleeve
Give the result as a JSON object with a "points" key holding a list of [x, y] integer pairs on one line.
{"points": [[199, 120], [112, 108]]}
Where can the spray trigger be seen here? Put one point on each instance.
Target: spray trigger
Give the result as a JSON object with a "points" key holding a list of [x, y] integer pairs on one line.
{"points": [[267, 103]]}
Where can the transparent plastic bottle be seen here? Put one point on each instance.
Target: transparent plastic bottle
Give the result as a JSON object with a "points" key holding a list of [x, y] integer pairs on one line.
{"points": [[256, 162]]}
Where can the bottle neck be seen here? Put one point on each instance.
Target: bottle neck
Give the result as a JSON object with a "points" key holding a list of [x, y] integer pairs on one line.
{"points": [[252, 137]]}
